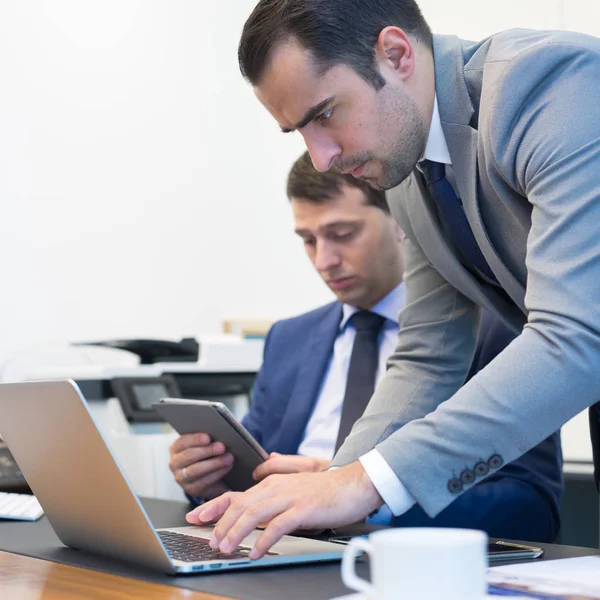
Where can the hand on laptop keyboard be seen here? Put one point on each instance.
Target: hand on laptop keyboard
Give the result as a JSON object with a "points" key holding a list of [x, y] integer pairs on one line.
{"points": [[19, 507], [190, 548]]}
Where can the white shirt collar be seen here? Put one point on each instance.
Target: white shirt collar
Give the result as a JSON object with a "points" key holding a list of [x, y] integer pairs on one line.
{"points": [[436, 149], [389, 306]]}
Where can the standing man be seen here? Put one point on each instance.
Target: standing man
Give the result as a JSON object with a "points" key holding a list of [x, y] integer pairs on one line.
{"points": [[320, 368], [492, 153]]}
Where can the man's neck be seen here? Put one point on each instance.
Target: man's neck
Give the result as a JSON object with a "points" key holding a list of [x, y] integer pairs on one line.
{"points": [[425, 83], [380, 297], [389, 306]]}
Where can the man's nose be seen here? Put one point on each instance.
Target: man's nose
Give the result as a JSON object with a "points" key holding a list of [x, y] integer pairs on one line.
{"points": [[323, 151], [326, 257]]}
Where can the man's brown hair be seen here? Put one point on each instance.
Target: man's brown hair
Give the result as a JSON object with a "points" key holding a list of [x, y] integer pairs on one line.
{"points": [[306, 183], [334, 31]]}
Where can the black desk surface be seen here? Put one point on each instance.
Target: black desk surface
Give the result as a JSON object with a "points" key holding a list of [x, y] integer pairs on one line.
{"points": [[292, 583]]}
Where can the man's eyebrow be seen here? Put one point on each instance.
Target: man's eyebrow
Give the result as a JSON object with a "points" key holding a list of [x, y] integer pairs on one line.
{"points": [[302, 232], [309, 115], [328, 226]]}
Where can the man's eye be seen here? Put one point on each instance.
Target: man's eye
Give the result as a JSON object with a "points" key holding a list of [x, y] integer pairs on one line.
{"points": [[344, 235], [324, 116], [309, 241]]}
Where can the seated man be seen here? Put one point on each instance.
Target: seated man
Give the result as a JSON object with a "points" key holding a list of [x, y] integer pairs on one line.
{"points": [[320, 368]]}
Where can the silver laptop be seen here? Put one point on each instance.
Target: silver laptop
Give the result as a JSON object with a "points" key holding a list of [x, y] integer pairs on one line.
{"points": [[91, 505]]}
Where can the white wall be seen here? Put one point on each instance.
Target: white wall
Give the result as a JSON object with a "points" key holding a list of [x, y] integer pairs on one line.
{"points": [[476, 19], [141, 183]]}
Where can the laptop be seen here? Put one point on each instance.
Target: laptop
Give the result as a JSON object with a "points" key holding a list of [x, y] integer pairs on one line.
{"points": [[91, 505]]}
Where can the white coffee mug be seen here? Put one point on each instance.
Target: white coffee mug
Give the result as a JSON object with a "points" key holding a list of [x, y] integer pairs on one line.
{"points": [[420, 563]]}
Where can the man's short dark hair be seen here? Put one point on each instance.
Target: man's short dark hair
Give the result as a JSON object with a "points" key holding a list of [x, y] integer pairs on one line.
{"points": [[334, 31], [308, 184]]}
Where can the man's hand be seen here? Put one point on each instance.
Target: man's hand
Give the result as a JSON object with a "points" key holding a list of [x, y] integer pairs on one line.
{"points": [[286, 503], [205, 465], [289, 463]]}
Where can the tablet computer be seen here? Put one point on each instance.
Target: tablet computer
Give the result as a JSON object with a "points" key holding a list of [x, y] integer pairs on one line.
{"points": [[496, 551], [501, 550], [215, 419]]}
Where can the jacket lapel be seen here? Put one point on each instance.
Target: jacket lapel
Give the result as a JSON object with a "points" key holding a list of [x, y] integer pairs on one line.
{"points": [[312, 365], [456, 113], [424, 222]]}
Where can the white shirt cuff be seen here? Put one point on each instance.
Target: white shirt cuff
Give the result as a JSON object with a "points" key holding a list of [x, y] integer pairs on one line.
{"points": [[390, 488]]}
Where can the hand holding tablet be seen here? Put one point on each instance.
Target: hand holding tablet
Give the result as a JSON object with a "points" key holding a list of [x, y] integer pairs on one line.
{"points": [[214, 419]]}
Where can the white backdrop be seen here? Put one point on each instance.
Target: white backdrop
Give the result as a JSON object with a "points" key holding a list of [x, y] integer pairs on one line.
{"points": [[141, 183]]}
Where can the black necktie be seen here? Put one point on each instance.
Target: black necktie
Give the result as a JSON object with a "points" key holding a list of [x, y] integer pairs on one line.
{"points": [[454, 218], [361, 373]]}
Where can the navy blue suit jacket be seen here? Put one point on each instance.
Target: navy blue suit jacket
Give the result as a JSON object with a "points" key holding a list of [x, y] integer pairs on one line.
{"points": [[520, 501]]}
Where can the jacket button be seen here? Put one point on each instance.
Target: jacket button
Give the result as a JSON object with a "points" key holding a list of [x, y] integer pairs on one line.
{"points": [[481, 469], [467, 477], [455, 486], [495, 462]]}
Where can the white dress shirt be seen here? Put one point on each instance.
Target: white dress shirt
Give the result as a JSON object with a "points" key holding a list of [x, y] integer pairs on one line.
{"points": [[390, 488], [436, 148], [322, 428]]}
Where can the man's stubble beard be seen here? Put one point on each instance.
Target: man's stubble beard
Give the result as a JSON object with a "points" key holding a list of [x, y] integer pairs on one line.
{"points": [[409, 146]]}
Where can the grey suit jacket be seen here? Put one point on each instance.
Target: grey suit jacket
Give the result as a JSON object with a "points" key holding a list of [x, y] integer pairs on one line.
{"points": [[522, 121]]}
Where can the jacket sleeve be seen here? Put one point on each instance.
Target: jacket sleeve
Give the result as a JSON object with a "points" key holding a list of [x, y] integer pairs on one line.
{"points": [[254, 419], [436, 344], [545, 135]]}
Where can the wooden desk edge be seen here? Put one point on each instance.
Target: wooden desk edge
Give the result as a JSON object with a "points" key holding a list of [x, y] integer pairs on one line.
{"points": [[26, 577]]}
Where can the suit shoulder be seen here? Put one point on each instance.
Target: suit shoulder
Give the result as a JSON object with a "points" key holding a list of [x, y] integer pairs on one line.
{"points": [[520, 63], [536, 88], [515, 45], [305, 321]]}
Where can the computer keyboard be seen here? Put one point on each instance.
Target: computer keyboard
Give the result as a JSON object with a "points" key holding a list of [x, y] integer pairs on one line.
{"points": [[189, 548], [19, 507]]}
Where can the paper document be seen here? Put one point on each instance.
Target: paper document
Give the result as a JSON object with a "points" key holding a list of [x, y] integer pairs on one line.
{"points": [[565, 579]]}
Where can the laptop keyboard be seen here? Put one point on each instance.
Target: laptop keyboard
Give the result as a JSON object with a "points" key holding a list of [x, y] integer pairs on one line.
{"points": [[189, 548], [20, 507]]}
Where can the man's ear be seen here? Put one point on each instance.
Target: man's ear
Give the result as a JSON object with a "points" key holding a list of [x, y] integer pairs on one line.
{"points": [[394, 53]]}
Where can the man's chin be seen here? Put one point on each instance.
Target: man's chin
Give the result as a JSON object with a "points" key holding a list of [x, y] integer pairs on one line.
{"points": [[391, 177], [347, 297], [387, 184], [381, 185], [374, 183]]}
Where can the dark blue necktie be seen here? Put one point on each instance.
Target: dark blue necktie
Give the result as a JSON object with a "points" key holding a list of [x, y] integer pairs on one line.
{"points": [[364, 361], [453, 217]]}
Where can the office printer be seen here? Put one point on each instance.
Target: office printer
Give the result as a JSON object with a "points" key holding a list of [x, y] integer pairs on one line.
{"points": [[122, 378]]}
